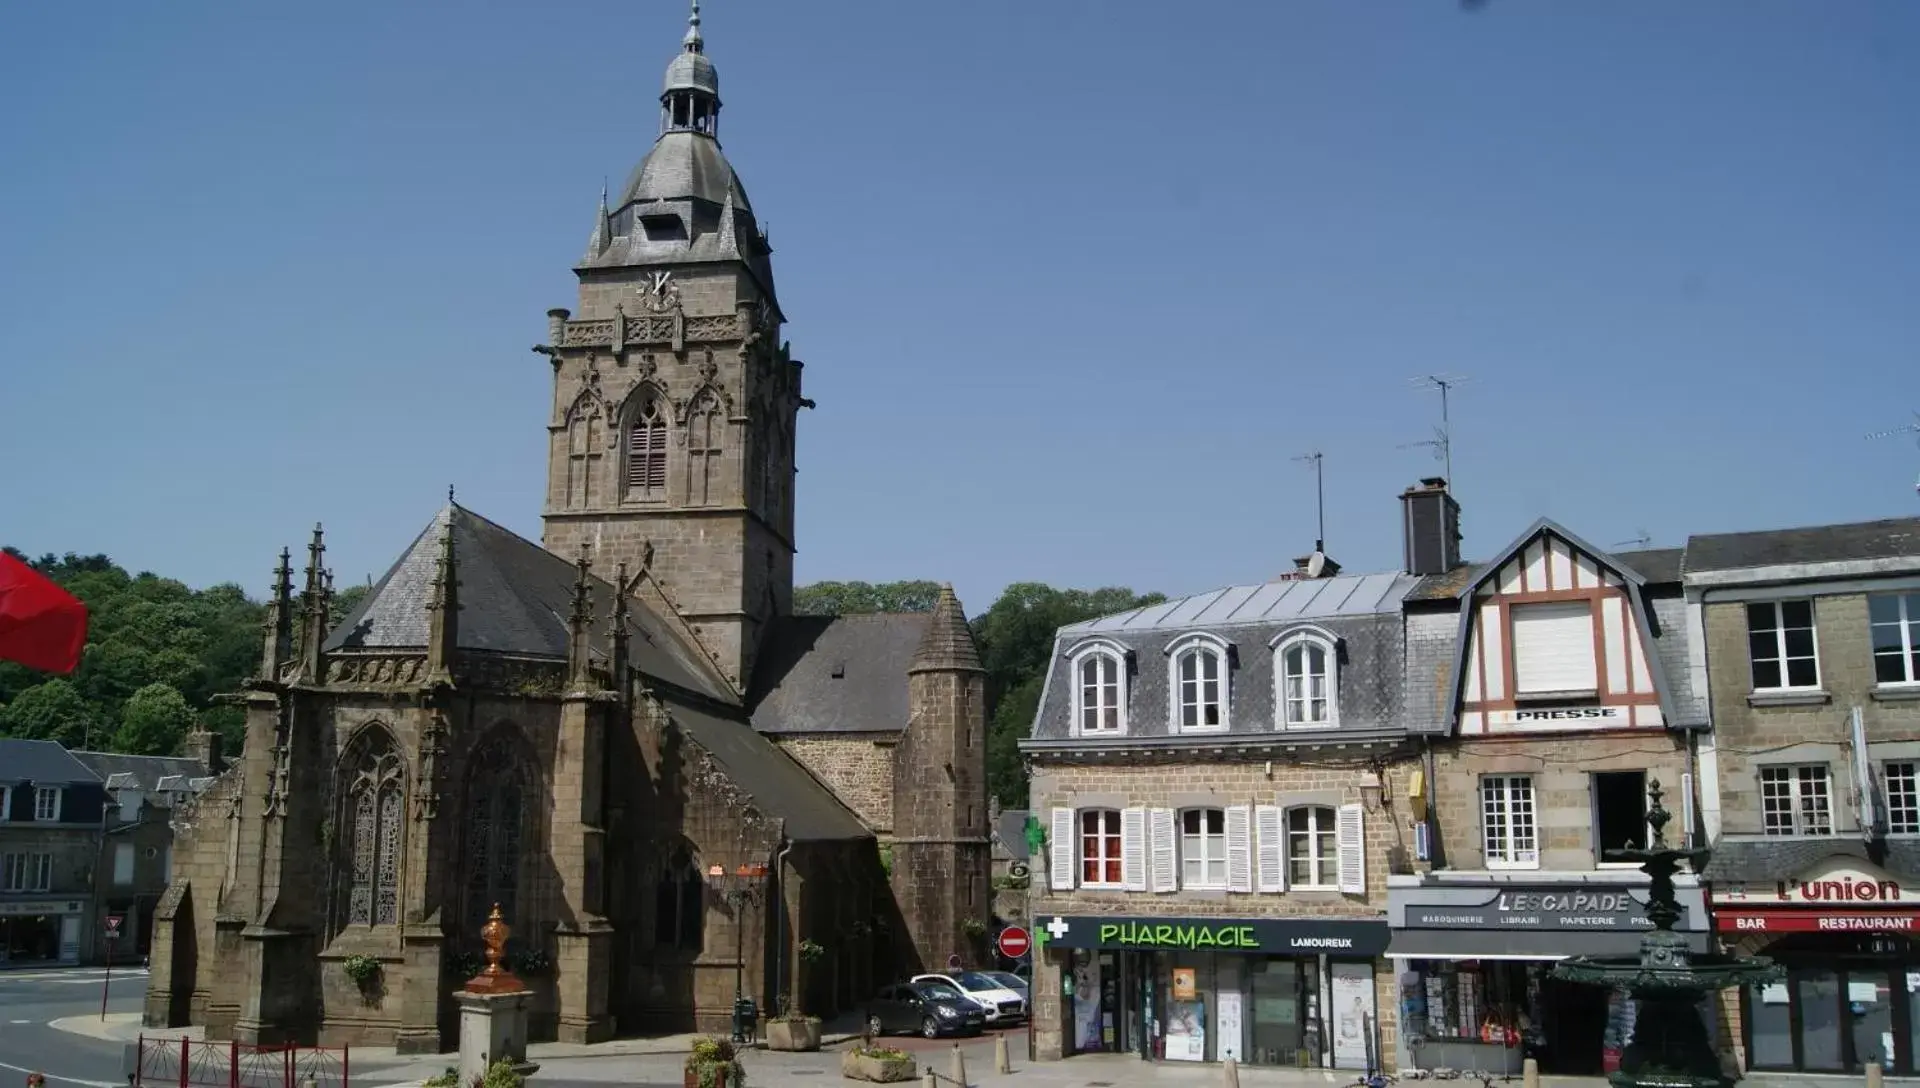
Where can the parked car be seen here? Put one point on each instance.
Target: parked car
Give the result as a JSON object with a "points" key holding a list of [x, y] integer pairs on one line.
{"points": [[1001, 1004], [932, 1008], [1013, 982]]}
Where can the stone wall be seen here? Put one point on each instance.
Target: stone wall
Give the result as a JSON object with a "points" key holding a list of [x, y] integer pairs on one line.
{"points": [[940, 845], [857, 767]]}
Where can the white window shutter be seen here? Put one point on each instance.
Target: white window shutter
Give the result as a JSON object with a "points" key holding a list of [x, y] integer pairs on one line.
{"points": [[1685, 838], [1165, 871], [1239, 849], [1133, 849], [1352, 839], [1271, 838], [1061, 848]]}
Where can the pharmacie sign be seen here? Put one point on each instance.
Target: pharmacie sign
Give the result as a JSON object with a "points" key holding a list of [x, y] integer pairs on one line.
{"points": [[1591, 908], [1276, 936]]}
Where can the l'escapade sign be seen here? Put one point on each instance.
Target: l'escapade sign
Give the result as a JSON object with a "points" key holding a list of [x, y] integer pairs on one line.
{"points": [[1537, 908], [1336, 937]]}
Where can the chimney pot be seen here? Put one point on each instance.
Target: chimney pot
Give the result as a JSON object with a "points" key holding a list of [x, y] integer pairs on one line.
{"points": [[1430, 523]]}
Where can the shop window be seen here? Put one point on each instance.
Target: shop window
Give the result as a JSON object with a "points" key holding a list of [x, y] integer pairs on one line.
{"points": [[1200, 683], [1508, 830], [1100, 853], [1903, 799], [46, 803], [1619, 811], [1308, 683], [1203, 848], [1781, 645], [1099, 692], [1894, 622], [1313, 855], [1796, 800], [1553, 650]]}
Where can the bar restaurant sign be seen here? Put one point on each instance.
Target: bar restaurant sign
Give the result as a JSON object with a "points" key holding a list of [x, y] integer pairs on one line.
{"points": [[1591, 908], [1277, 936]]}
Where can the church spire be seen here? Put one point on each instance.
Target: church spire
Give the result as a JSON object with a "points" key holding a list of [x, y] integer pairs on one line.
{"points": [[278, 626], [690, 97], [313, 605], [693, 43]]}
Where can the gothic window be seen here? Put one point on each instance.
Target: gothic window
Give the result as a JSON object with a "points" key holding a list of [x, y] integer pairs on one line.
{"points": [[647, 452], [374, 779], [704, 436], [680, 905], [495, 821], [586, 441]]}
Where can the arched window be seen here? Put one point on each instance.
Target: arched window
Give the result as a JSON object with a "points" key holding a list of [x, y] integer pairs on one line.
{"points": [[374, 781], [1199, 682], [1203, 848], [705, 434], [496, 807], [1313, 856], [647, 451], [1099, 690], [586, 439], [1100, 847], [1309, 689], [680, 905]]}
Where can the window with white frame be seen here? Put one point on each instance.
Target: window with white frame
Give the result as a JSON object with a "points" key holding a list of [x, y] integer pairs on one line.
{"points": [[1313, 853], [26, 872], [1903, 798], [1100, 847], [1894, 622], [1553, 649], [1099, 692], [1509, 833], [1308, 683], [1796, 800], [1200, 685], [1780, 645], [1203, 848], [46, 803]]}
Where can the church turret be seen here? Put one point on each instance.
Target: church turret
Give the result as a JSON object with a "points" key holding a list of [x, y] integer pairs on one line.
{"points": [[675, 401], [278, 625], [315, 602]]}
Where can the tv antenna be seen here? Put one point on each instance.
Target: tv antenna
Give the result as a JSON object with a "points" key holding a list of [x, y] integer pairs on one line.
{"points": [[1316, 460], [1644, 540], [1895, 432], [1442, 441]]}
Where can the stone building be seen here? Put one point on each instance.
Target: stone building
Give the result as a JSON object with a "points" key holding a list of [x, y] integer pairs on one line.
{"points": [[135, 860], [674, 789], [1214, 775], [50, 816], [1811, 650], [1551, 690]]}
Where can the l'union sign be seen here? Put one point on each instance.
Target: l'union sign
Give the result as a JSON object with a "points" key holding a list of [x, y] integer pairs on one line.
{"points": [[1273, 936]]}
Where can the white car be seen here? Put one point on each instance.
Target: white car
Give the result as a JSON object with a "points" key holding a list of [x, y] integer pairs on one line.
{"points": [[1001, 1004]]}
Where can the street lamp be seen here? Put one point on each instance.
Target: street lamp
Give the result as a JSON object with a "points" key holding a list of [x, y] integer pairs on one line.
{"points": [[740, 888]]}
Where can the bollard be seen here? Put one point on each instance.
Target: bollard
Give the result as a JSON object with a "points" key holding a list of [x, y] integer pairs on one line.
{"points": [[1874, 1075], [1231, 1069], [1530, 1074], [1002, 1061], [957, 1071], [929, 1080]]}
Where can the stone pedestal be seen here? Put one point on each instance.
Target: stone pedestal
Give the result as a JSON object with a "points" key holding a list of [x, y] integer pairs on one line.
{"points": [[493, 1026]]}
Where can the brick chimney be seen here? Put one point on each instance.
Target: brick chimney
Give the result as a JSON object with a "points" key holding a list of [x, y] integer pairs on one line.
{"points": [[203, 747], [1430, 526]]}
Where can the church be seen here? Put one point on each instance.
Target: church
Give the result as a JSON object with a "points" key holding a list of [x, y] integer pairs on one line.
{"points": [[674, 789]]}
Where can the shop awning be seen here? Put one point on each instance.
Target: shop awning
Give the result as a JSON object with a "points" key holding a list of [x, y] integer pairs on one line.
{"points": [[1497, 944]]}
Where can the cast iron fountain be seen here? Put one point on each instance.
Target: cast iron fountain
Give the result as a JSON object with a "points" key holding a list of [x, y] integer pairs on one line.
{"points": [[1668, 979]]}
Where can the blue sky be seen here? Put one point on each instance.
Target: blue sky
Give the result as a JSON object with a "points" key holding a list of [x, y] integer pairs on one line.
{"points": [[1074, 281]]}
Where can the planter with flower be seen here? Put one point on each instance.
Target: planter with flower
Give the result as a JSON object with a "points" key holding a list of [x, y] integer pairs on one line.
{"points": [[793, 1030], [713, 1064], [364, 971], [877, 1064]]}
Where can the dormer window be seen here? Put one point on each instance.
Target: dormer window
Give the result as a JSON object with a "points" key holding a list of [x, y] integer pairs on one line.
{"points": [[46, 804], [1307, 671], [1099, 690], [1553, 652], [1199, 682], [663, 228]]}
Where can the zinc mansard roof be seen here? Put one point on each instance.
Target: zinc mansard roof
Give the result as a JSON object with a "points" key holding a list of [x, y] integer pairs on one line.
{"points": [[1265, 603]]}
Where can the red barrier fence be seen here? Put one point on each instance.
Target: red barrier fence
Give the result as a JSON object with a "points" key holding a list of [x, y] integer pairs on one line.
{"points": [[193, 1063]]}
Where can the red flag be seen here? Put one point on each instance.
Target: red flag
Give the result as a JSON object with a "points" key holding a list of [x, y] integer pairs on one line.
{"points": [[41, 625]]}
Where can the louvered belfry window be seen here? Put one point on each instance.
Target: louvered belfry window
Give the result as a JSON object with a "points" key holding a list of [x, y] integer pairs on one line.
{"points": [[647, 453]]}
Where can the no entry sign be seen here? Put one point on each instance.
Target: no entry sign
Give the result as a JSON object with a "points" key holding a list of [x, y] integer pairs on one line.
{"points": [[1014, 942]]}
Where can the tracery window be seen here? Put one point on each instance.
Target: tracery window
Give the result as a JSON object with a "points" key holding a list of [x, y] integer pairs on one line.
{"points": [[586, 435], [375, 780], [647, 452], [704, 437], [495, 823], [680, 905]]}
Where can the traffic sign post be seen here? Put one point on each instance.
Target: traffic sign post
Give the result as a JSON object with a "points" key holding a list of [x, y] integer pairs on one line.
{"points": [[1014, 942], [106, 980]]}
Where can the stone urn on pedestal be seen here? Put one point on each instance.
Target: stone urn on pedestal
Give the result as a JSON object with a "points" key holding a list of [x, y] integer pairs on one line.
{"points": [[493, 1010]]}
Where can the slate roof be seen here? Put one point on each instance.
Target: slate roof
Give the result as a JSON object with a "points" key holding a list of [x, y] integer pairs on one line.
{"points": [[778, 784], [1656, 565], [948, 643], [796, 691], [42, 762], [1269, 602], [1891, 538], [1755, 860], [140, 772], [1010, 834], [515, 597]]}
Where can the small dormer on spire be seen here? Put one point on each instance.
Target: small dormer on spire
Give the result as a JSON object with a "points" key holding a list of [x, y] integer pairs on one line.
{"points": [[690, 98], [443, 608]]}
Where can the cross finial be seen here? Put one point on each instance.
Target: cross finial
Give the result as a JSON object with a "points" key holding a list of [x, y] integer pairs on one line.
{"points": [[449, 494]]}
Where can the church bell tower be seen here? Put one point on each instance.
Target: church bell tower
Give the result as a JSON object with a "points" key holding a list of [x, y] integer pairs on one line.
{"points": [[674, 399]]}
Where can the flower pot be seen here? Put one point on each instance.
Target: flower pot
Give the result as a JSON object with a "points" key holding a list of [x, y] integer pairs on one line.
{"points": [[793, 1034], [719, 1077], [856, 1066]]}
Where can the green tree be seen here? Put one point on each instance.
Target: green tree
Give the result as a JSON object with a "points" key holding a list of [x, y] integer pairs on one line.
{"points": [[849, 598], [52, 711], [153, 721]]}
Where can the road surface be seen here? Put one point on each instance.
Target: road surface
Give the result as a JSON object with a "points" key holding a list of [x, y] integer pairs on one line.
{"points": [[30, 998]]}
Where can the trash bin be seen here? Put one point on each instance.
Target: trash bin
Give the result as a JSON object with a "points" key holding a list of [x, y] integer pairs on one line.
{"points": [[745, 1015]]}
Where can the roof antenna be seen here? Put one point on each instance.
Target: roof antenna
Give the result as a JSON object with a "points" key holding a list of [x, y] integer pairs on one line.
{"points": [[1315, 459], [1644, 540], [1442, 440], [1895, 432]]}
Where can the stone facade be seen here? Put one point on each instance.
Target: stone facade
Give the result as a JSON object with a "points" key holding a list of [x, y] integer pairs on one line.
{"points": [[858, 769]]}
